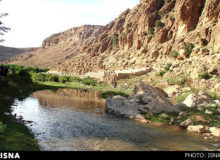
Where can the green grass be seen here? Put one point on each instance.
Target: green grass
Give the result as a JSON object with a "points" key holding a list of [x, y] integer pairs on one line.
{"points": [[16, 137]]}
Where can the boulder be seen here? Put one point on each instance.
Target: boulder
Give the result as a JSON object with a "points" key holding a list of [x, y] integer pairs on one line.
{"points": [[186, 123], [215, 131], [208, 112], [172, 90], [152, 98], [199, 100], [144, 98], [198, 129], [122, 107]]}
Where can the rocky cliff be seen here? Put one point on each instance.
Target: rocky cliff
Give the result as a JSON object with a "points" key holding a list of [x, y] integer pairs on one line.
{"points": [[183, 34], [59, 47]]}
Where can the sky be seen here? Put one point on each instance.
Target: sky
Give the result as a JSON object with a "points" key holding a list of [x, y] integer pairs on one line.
{"points": [[31, 21]]}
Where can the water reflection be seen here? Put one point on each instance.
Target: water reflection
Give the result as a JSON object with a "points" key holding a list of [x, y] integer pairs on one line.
{"points": [[75, 120], [73, 99]]}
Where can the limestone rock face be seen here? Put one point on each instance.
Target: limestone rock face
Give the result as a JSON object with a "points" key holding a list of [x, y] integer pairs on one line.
{"points": [[201, 99], [139, 38]]}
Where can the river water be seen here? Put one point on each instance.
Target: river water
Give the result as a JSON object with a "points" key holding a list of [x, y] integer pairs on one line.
{"points": [[71, 120]]}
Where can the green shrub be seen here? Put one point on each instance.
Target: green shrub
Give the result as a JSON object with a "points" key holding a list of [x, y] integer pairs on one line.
{"points": [[64, 79], [159, 24], [75, 79], [188, 49], [3, 127], [174, 54], [123, 34], [167, 68], [88, 81], [53, 78], [204, 76], [149, 115], [161, 73], [115, 40], [150, 31], [39, 77], [171, 17], [177, 81]]}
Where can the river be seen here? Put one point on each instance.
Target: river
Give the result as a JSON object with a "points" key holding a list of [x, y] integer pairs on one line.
{"points": [[71, 120]]}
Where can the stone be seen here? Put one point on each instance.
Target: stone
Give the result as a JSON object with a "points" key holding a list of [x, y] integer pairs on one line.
{"points": [[180, 106], [164, 115], [215, 131], [200, 108], [199, 100], [152, 98], [182, 114], [200, 118], [122, 107], [198, 129], [186, 123], [208, 112], [172, 90], [141, 119]]}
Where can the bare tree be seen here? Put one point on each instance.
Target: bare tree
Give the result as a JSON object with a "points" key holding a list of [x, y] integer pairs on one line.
{"points": [[3, 29]]}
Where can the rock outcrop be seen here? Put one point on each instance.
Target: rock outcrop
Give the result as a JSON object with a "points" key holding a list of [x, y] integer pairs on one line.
{"points": [[59, 47], [144, 98], [201, 99], [143, 37]]}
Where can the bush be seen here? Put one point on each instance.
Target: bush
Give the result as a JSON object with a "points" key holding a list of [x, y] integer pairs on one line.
{"points": [[204, 76], [167, 68], [159, 24], [161, 73], [188, 49], [150, 31], [75, 79], [149, 115], [64, 79], [115, 40], [53, 78], [177, 81], [3, 127], [88, 81], [174, 54], [39, 77]]}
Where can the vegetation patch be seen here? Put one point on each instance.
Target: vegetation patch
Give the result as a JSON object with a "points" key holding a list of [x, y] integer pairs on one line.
{"points": [[115, 41], [159, 24], [110, 94], [205, 75], [188, 49], [174, 54]]}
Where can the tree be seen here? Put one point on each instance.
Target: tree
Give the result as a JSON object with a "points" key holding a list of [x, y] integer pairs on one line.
{"points": [[3, 29]]}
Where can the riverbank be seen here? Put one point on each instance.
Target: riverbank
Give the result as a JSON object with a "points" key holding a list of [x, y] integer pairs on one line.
{"points": [[17, 137]]}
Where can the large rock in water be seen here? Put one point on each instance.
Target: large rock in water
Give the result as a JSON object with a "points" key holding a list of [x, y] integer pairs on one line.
{"points": [[152, 98], [144, 98]]}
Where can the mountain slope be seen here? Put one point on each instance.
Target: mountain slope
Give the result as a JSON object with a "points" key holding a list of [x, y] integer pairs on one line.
{"points": [[8, 52], [59, 47], [146, 35]]}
